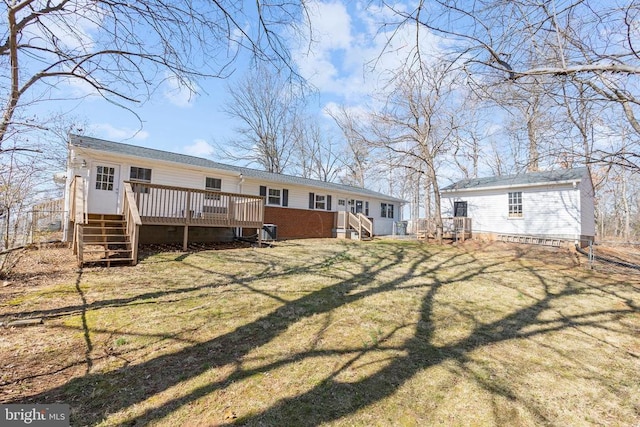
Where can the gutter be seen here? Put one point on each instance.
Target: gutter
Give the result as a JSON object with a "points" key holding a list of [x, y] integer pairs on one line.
{"points": [[574, 182]]}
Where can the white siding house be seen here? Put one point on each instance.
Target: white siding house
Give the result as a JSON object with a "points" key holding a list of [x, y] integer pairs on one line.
{"points": [[557, 204], [106, 165]]}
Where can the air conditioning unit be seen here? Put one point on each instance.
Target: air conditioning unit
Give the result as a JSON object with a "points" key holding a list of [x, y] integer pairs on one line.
{"points": [[269, 232]]}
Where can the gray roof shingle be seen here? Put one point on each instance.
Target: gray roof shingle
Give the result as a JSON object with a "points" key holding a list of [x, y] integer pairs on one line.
{"points": [[153, 154], [524, 179]]}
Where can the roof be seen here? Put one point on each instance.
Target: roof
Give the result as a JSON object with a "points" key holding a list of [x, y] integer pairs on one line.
{"points": [[166, 156], [520, 180]]}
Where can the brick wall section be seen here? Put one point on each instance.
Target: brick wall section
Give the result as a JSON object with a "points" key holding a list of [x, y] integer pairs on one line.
{"points": [[300, 223]]}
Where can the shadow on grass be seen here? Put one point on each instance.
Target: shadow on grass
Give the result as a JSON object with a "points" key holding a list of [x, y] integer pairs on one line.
{"points": [[331, 399]]}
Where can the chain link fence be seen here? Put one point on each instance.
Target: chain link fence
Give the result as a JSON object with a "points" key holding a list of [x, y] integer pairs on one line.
{"points": [[611, 256], [42, 224]]}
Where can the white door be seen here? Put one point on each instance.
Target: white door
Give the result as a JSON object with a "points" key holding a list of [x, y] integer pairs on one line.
{"points": [[104, 188]]}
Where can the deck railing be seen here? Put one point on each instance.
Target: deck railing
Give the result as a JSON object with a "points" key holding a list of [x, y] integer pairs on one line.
{"points": [[132, 220], [358, 222], [452, 227], [166, 205]]}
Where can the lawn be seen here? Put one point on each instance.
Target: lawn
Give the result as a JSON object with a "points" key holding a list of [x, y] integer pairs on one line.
{"points": [[328, 332]]}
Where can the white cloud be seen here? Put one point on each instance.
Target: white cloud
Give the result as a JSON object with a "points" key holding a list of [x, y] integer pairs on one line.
{"points": [[352, 54], [199, 148], [180, 93], [110, 132]]}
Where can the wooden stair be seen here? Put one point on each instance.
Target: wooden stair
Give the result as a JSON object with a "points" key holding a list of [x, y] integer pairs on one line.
{"points": [[354, 226], [104, 241]]}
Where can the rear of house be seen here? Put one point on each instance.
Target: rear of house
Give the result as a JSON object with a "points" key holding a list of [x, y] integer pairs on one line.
{"points": [[555, 204], [295, 207]]}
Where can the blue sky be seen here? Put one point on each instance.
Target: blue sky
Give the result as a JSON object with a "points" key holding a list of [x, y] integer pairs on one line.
{"points": [[347, 40]]}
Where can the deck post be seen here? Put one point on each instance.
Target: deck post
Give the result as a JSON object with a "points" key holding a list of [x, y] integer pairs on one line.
{"points": [[187, 213], [185, 238]]}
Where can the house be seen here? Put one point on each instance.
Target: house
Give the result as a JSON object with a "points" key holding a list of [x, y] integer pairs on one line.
{"points": [[179, 198], [554, 205]]}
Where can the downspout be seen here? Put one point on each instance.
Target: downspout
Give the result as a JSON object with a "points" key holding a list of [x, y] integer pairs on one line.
{"points": [[240, 183]]}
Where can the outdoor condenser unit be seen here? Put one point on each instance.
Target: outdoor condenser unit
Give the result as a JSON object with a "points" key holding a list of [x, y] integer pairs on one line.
{"points": [[269, 232]]}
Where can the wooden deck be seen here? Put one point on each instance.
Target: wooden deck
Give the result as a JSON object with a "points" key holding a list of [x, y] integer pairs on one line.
{"points": [[453, 228], [150, 204], [176, 206]]}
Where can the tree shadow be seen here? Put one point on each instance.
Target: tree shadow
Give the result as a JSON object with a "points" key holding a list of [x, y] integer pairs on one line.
{"points": [[332, 398]]}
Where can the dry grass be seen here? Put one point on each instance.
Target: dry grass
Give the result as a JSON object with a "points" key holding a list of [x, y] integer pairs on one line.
{"points": [[329, 332]]}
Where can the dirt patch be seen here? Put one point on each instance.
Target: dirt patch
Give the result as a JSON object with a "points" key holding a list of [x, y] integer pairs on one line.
{"points": [[37, 266]]}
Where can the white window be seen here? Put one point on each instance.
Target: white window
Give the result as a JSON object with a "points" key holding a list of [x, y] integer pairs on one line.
{"points": [[104, 178], [515, 204], [212, 184], [321, 202], [386, 210], [274, 196], [140, 175], [342, 202]]}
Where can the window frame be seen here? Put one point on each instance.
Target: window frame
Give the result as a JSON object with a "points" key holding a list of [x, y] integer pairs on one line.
{"points": [[270, 196], [109, 175], [138, 189], [515, 205], [137, 178], [208, 196], [320, 202]]}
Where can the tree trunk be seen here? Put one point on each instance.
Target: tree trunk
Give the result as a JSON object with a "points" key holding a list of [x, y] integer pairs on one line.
{"points": [[437, 206]]}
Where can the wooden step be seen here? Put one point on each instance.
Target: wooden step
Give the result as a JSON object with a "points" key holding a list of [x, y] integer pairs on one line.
{"points": [[103, 217], [93, 237], [103, 249], [104, 241], [109, 261]]}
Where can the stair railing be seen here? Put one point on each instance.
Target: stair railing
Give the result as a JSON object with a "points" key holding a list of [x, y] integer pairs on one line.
{"points": [[366, 224], [360, 223], [132, 220], [78, 213], [354, 222]]}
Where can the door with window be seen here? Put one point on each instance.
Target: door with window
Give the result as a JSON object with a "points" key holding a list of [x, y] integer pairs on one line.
{"points": [[356, 206], [104, 188], [460, 209]]}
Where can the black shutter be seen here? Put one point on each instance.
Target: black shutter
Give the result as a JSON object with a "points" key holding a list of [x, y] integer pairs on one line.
{"points": [[263, 191], [328, 203], [285, 197], [312, 200]]}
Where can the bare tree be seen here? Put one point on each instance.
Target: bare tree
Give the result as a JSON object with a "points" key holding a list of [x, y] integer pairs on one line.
{"points": [[593, 44], [317, 155], [357, 161], [122, 50], [414, 125], [19, 175], [269, 109]]}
